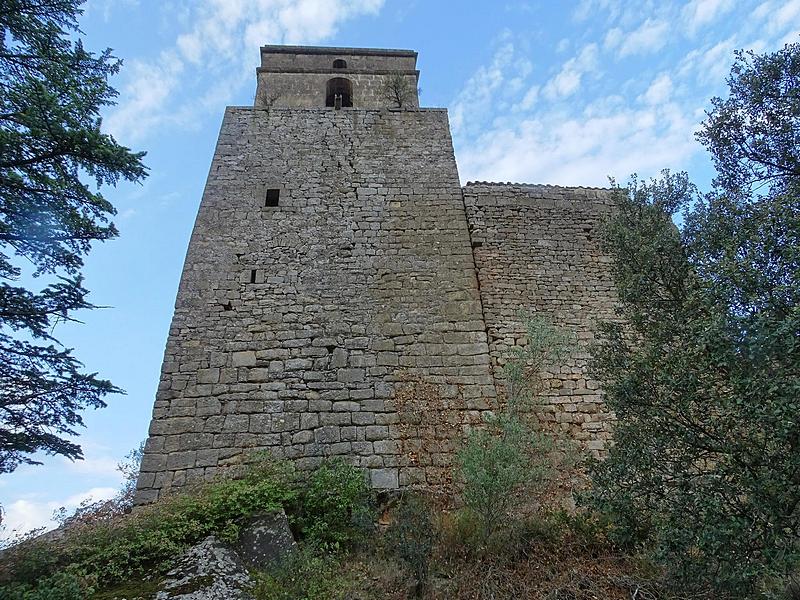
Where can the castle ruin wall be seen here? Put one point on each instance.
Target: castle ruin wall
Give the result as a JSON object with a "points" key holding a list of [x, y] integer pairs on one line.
{"points": [[536, 251], [297, 324]]}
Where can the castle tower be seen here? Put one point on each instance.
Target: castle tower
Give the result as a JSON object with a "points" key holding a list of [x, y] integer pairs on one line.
{"points": [[304, 77], [329, 303]]}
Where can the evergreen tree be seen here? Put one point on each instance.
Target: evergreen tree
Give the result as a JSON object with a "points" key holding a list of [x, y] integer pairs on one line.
{"points": [[51, 93], [704, 374]]}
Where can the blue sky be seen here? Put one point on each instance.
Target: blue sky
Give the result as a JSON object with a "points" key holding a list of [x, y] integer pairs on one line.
{"points": [[543, 92]]}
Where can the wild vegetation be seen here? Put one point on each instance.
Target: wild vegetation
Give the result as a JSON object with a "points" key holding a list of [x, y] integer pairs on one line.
{"points": [[698, 498], [704, 374]]}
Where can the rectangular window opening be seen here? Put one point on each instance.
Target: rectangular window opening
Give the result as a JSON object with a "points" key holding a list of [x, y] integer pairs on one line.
{"points": [[253, 275], [272, 197]]}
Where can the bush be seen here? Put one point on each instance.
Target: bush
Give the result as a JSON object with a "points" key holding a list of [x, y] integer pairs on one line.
{"points": [[704, 375], [335, 507], [148, 540], [330, 507], [151, 538], [411, 537], [503, 465], [499, 468], [311, 574], [60, 586]]}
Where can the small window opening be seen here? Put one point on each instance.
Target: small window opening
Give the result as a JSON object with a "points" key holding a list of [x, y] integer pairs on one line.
{"points": [[339, 92], [477, 244], [253, 275], [272, 197], [340, 64]]}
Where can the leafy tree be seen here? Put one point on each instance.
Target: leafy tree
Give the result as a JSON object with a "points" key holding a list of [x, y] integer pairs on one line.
{"points": [[51, 93], [704, 376]]}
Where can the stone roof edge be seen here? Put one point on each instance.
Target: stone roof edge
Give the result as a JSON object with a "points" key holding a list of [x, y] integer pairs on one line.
{"points": [[534, 185], [391, 109], [276, 49]]}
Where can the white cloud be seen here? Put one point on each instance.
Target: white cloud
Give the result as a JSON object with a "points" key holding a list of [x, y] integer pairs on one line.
{"points": [[659, 91], [475, 99], [648, 37], [698, 13], [98, 465], [219, 48], [556, 148], [587, 7], [106, 7], [778, 15], [613, 38], [568, 79], [529, 99], [145, 97], [709, 64], [25, 514]]}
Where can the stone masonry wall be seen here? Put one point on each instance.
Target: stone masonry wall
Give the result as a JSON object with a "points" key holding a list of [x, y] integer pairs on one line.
{"points": [[536, 249], [308, 90], [304, 58], [313, 328]]}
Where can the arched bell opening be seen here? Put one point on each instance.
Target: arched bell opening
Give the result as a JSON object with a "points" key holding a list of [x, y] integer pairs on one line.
{"points": [[339, 93]]}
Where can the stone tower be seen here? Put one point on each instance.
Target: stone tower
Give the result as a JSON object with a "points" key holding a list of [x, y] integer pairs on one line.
{"points": [[342, 295]]}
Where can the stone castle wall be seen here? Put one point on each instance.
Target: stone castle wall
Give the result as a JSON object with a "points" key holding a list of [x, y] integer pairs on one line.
{"points": [[345, 321], [315, 59], [536, 249]]}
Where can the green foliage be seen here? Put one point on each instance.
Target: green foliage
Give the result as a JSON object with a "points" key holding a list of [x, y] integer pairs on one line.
{"points": [[752, 135], [705, 375], [152, 537], [60, 586], [500, 468], [51, 93], [310, 574], [330, 506], [148, 540], [507, 462], [335, 505], [545, 345], [411, 537]]}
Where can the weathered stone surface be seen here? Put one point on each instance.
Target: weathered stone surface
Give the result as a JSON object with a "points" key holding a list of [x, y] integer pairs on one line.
{"points": [[266, 540], [208, 571], [372, 306]]}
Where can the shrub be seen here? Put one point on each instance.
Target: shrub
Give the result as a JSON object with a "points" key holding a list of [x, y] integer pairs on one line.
{"points": [[411, 537], [704, 375], [505, 464], [311, 574], [334, 508], [499, 468], [148, 540], [60, 586]]}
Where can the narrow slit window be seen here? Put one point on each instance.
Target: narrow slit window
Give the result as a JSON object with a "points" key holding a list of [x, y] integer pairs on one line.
{"points": [[253, 275], [272, 197]]}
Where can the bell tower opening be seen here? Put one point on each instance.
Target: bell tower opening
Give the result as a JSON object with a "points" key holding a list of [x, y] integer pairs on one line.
{"points": [[339, 93]]}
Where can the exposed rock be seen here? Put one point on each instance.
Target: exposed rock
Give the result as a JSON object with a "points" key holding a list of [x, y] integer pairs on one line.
{"points": [[208, 571], [266, 540]]}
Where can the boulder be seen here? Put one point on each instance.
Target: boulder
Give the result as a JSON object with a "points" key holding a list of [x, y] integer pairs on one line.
{"points": [[266, 540], [207, 571]]}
